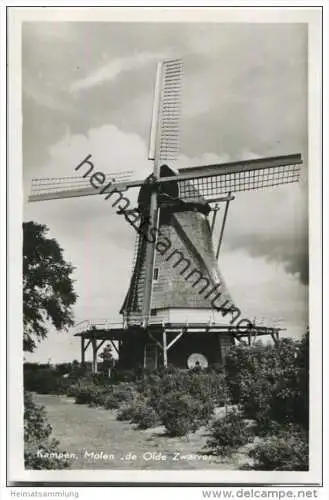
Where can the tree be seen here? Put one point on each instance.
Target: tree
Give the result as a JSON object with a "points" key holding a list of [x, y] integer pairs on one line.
{"points": [[108, 360], [48, 293]]}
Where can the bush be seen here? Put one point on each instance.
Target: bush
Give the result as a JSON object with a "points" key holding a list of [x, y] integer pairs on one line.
{"points": [[120, 375], [202, 386], [126, 412], [183, 400], [90, 390], [37, 439], [145, 416], [207, 387], [271, 382], [228, 434], [122, 393], [180, 413], [92, 395], [48, 379], [42, 379], [286, 451], [139, 412], [98, 391], [241, 363], [132, 410]]}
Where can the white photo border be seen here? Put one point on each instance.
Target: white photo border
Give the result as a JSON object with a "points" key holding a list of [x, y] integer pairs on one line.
{"points": [[16, 473]]}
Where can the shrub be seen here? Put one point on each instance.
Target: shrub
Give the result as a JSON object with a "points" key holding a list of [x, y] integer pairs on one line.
{"points": [[87, 391], [227, 434], [139, 412], [99, 391], [286, 451], [37, 438], [180, 413], [271, 382], [207, 387], [120, 375], [201, 386], [90, 394], [42, 379], [48, 379], [130, 411], [241, 364], [122, 393], [72, 390], [256, 398], [266, 427], [145, 416], [184, 400], [126, 412]]}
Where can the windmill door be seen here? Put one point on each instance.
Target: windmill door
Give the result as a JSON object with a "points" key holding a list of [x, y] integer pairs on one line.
{"points": [[151, 356]]}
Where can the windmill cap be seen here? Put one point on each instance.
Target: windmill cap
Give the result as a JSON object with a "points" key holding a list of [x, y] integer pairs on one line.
{"points": [[166, 171]]}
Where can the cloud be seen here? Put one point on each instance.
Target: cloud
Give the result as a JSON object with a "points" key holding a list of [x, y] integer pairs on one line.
{"points": [[291, 252], [273, 224], [270, 223], [112, 150], [262, 289], [113, 69]]}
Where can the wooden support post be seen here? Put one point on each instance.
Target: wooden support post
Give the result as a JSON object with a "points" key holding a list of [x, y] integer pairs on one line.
{"points": [[174, 340], [223, 226], [83, 358], [100, 345], [214, 218], [165, 354], [94, 363], [239, 339], [255, 336], [154, 340], [114, 346]]}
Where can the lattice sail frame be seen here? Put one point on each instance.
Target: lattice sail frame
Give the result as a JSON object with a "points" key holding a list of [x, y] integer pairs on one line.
{"points": [[44, 186], [165, 129], [240, 176]]}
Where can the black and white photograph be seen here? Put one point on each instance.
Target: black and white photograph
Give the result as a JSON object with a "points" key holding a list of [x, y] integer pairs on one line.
{"points": [[168, 299]]}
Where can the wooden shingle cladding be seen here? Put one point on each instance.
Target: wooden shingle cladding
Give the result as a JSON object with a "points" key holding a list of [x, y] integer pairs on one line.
{"points": [[187, 268], [191, 252]]}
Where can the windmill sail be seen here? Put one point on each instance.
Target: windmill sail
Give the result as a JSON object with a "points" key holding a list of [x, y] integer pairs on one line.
{"points": [[164, 140], [163, 145], [212, 181], [53, 188]]}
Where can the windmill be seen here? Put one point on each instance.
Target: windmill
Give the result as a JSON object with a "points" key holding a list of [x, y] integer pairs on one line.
{"points": [[178, 308]]}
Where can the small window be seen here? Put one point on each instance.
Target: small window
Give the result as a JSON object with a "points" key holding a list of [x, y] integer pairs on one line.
{"points": [[153, 312], [155, 274]]}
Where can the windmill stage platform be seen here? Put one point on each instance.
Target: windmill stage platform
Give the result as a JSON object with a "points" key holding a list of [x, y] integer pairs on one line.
{"points": [[158, 339]]}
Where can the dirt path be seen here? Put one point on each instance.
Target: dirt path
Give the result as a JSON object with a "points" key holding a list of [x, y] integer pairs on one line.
{"points": [[98, 441]]}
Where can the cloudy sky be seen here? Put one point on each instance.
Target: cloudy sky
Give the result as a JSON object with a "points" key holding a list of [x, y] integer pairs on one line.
{"points": [[88, 89]]}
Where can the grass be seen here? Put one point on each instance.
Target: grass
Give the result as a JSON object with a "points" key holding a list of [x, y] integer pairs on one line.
{"points": [[80, 429]]}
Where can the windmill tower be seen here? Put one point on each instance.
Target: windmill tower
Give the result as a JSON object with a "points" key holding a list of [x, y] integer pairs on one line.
{"points": [[178, 308]]}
